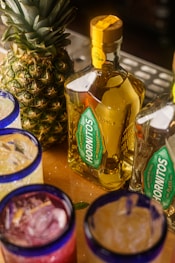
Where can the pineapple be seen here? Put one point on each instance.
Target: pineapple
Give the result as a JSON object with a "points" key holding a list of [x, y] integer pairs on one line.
{"points": [[37, 64]]}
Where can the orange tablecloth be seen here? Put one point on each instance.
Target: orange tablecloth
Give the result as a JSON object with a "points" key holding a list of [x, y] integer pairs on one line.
{"points": [[57, 172]]}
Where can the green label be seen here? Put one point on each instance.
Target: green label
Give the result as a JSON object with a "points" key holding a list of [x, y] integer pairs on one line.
{"points": [[90, 143], [159, 177]]}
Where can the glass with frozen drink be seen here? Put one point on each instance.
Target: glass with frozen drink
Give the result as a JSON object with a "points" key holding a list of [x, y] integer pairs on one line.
{"points": [[9, 111], [124, 227], [37, 225], [20, 159]]}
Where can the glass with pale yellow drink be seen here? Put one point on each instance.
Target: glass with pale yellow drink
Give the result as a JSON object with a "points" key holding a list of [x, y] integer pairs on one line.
{"points": [[9, 111], [20, 160], [124, 227]]}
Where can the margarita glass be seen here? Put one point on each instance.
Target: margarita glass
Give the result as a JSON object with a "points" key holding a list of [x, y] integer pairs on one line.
{"points": [[37, 224], [20, 159], [124, 227], [9, 111]]}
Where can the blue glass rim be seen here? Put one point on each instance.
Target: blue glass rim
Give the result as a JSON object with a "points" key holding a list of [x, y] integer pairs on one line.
{"points": [[29, 169], [15, 112], [109, 255], [53, 245]]}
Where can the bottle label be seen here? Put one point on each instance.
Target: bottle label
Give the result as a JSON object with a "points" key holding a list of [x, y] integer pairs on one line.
{"points": [[159, 177], [89, 139]]}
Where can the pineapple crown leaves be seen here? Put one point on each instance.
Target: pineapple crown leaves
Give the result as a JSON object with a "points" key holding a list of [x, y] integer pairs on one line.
{"points": [[37, 25]]}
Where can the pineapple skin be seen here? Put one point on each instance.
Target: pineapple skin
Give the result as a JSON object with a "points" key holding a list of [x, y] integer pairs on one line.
{"points": [[38, 83]]}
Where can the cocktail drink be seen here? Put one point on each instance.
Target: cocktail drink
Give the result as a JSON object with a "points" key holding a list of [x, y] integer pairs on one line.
{"points": [[9, 111], [20, 160], [37, 225], [124, 227]]}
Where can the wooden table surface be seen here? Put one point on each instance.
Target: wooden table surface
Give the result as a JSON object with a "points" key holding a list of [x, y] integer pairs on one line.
{"points": [[57, 172]]}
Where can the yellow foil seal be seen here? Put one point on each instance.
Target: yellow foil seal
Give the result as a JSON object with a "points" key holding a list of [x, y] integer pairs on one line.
{"points": [[99, 34]]}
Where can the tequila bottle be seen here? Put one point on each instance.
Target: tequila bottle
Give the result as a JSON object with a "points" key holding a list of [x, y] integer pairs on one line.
{"points": [[154, 157], [102, 103]]}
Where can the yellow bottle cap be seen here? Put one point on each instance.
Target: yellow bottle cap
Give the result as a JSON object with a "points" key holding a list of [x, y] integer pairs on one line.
{"points": [[106, 28]]}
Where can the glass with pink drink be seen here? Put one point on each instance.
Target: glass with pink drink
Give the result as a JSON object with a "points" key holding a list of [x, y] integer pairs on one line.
{"points": [[37, 224]]}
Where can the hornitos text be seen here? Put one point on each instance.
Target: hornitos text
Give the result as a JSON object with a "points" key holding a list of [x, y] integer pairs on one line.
{"points": [[89, 140], [160, 178]]}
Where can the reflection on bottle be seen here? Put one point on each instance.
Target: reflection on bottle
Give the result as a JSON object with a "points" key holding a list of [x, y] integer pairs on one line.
{"points": [[102, 103], [154, 157]]}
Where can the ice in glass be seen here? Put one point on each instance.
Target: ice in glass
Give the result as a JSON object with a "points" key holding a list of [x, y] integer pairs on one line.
{"points": [[124, 226], [9, 111], [20, 160], [37, 224]]}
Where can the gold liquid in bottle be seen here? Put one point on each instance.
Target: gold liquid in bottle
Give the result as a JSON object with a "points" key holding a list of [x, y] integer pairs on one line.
{"points": [[102, 103], [154, 159]]}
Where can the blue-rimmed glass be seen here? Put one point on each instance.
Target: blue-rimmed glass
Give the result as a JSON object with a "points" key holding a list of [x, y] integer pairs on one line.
{"points": [[99, 253], [60, 250], [32, 173], [12, 119]]}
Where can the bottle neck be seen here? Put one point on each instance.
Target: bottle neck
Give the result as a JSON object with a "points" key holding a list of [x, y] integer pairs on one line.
{"points": [[105, 52], [173, 83]]}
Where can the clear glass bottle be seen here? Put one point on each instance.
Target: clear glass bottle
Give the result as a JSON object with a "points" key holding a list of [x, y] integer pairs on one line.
{"points": [[102, 102], [173, 85], [154, 156]]}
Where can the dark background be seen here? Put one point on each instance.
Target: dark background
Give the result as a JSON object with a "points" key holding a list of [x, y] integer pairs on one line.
{"points": [[149, 25]]}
